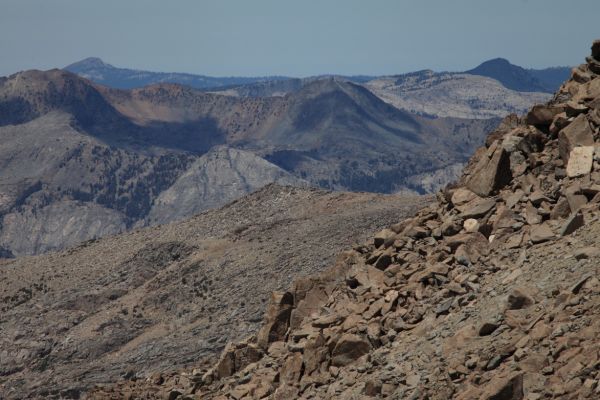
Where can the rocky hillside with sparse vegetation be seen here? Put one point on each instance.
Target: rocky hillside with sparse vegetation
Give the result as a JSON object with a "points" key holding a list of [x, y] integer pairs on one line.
{"points": [[492, 292], [169, 296]]}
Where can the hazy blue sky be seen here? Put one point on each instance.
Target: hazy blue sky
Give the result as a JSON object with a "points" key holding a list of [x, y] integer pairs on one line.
{"points": [[299, 38]]}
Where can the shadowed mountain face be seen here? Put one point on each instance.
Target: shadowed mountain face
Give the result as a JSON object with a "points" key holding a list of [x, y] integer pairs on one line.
{"points": [[520, 79], [80, 160], [552, 78]]}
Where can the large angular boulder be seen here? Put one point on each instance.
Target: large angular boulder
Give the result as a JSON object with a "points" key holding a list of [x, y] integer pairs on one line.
{"points": [[580, 162], [541, 233], [277, 319], [491, 173], [505, 388], [350, 347], [542, 115], [577, 133], [596, 49]]}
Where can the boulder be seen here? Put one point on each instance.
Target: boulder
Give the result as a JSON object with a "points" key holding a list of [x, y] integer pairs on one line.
{"points": [[491, 173], [576, 201], [277, 319], [593, 65], [541, 233], [226, 365], [577, 133], [561, 209], [573, 108], [580, 162], [574, 222], [291, 370], [505, 388], [349, 348], [381, 237], [471, 225], [519, 299], [586, 252], [246, 355], [462, 196], [542, 115], [596, 49], [476, 208]]}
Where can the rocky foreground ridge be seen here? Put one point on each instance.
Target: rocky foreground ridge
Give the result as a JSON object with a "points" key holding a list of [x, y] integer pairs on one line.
{"points": [[491, 293]]}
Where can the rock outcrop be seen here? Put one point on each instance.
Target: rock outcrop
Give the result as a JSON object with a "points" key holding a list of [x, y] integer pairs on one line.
{"points": [[491, 293]]}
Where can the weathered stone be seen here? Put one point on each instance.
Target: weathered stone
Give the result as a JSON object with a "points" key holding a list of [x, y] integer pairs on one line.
{"points": [[518, 299], [246, 355], [444, 307], [531, 215], [580, 161], [471, 225], [542, 115], [491, 173], [509, 388], [541, 233], [277, 319], [226, 365], [372, 388], [537, 197], [574, 222], [593, 65], [477, 208], [462, 196], [291, 370], [384, 261], [586, 252], [382, 236], [450, 226], [314, 354], [578, 133], [327, 321], [574, 109], [576, 201], [349, 348], [487, 328], [561, 209]]}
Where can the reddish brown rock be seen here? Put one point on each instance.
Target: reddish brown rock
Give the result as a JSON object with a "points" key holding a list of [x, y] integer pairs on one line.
{"points": [[542, 114], [578, 133], [491, 173], [541, 233], [509, 388], [349, 348], [574, 222], [277, 319]]}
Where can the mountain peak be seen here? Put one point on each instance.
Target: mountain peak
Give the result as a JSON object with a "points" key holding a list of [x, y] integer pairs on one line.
{"points": [[498, 61], [510, 75], [88, 63]]}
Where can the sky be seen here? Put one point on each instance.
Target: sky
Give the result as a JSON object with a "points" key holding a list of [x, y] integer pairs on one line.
{"points": [[295, 38]]}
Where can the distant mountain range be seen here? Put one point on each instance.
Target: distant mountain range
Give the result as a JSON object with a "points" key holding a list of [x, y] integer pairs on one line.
{"points": [[511, 76], [81, 160], [98, 71]]}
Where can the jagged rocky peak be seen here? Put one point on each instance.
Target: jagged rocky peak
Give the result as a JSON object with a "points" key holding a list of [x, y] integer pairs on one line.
{"points": [[490, 293]]}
